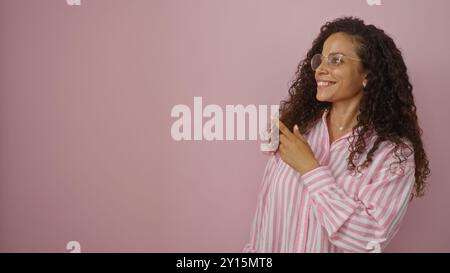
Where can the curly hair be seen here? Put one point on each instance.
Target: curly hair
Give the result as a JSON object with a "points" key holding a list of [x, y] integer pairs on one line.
{"points": [[386, 108]]}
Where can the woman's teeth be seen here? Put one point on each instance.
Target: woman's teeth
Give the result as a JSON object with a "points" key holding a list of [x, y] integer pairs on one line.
{"points": [[325, 83]]}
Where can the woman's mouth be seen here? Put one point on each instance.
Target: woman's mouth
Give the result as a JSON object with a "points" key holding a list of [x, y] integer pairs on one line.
{"points": [[324, 84]]}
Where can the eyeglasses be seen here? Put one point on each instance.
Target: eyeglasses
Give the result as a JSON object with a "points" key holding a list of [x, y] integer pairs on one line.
{"points": [[333, 60]]}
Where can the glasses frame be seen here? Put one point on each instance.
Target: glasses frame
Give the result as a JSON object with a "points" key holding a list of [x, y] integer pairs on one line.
{"points": [[328, 62]]}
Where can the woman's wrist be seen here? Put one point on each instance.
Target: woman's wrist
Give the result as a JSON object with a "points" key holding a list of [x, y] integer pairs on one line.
{"points": [[309, 167]]}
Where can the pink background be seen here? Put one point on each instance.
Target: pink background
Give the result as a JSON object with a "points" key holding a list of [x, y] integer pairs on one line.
{"points": [[86, 94]]}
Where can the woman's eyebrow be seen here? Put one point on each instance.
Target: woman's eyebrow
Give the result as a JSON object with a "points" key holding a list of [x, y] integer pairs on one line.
{"points": [[335, 52]]}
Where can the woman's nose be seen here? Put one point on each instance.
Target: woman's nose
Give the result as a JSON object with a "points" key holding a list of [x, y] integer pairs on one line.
{"points": [[321, 69]]}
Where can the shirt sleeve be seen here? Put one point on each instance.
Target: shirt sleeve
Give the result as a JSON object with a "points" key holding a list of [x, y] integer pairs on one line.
{"points": [[367, 221], [255, 229]]}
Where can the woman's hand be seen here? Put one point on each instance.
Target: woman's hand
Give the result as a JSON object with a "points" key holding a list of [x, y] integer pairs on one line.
{"points": [[295, 150]]}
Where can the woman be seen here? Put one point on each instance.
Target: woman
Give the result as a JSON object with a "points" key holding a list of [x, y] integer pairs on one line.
{"points": [[350, 156]]}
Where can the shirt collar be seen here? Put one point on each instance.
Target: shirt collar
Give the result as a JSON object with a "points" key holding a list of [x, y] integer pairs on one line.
{"points": [[325, 126]]}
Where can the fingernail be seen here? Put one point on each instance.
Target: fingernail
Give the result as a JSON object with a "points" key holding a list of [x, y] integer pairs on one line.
{"points": [[296, 127]]}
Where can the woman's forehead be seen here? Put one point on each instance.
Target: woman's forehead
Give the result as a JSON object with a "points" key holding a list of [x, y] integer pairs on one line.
{"points": [[340, 43]]}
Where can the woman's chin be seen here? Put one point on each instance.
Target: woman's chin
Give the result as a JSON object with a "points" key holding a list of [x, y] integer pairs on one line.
{"points": [[323, 96]]}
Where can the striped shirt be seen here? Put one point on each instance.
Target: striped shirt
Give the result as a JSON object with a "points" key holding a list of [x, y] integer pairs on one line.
{"points": [[330, 209]]}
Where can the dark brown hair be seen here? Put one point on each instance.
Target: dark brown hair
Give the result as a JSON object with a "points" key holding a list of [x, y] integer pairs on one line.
{"points": [[387, 106]]}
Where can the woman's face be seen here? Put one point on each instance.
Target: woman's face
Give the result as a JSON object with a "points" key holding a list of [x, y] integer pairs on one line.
{"points": [[342, 82]]}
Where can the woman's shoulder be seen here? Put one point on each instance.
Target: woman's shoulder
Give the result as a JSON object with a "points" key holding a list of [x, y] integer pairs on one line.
{"points": [[400, 154], [404, 147]]}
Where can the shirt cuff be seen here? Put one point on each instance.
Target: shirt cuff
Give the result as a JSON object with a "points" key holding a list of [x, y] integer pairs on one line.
{"points": [[318, 179]]}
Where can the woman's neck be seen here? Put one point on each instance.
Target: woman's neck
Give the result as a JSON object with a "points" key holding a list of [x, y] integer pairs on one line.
{"points": [[343, 116]]}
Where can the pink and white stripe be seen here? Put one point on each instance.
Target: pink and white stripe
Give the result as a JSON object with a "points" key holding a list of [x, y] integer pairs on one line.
{"points": [[328, 209]]}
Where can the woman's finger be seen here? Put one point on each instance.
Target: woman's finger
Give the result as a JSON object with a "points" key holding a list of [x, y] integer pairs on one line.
{"points": [[284, 130], [297, 133]]}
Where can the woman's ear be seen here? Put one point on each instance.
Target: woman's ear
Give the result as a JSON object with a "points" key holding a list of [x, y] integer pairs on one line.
{"points": [[364, 82]]}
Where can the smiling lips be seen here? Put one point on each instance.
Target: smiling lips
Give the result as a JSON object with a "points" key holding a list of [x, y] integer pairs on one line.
{"points": [[321, 83]]}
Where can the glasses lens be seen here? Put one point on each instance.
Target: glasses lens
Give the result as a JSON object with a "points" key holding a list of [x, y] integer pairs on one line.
{"points": [[316, 61], [335, 59]]}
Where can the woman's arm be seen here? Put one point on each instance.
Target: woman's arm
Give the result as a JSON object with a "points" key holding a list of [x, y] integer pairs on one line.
{"points": [[367, 222]]}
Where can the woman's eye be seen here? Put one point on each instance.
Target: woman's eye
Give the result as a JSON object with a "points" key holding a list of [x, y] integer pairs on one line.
{"points": [[335, 60]]}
